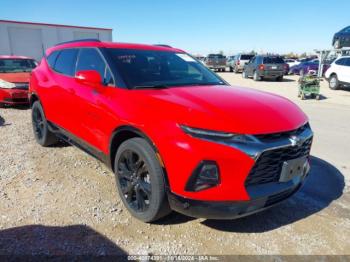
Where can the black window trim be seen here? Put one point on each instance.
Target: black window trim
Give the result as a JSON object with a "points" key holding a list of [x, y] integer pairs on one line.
{"points": [[76, 62], [60, 51], [47, 59]]}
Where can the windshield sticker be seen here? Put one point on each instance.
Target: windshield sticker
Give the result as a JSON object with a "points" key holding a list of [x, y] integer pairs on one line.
{"points": [[186, 57], [127, 59]]}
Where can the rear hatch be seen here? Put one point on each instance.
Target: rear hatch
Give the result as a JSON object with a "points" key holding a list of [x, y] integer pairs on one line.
{"points": [[274, 63], [216, 60], [244, 59]]}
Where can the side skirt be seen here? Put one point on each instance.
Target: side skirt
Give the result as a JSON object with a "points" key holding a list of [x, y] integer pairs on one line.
{"points": [[79, 143]]}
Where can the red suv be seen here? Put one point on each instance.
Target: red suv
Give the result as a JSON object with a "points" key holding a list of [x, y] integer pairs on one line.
{"points": [[175, 134], [14, 79]]}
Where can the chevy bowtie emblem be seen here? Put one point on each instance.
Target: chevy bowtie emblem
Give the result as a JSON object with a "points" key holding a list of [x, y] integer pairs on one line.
{"points": [[296, 141]]}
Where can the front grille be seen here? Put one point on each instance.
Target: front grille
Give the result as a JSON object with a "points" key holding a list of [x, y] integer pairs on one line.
{"points": [[268, 167], [16, 100], [22, 86], [296, 132]]}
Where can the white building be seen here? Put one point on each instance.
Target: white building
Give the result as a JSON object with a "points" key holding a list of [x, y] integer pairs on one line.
{"points": [[32, 39]]}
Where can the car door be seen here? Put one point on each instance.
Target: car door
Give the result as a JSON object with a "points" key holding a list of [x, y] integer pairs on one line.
{"points": [[94, 117], [346, 70], [61, 90], [250, 66], [340, 69]]}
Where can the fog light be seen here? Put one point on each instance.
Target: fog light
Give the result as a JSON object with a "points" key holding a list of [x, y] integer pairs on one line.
{"points": [[205, 175]]}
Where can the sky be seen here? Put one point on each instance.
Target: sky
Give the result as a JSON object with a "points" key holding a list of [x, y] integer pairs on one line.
{"points": [[198, 26]]}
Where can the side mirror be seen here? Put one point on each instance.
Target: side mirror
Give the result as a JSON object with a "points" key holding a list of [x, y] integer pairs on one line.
{"points": [[89, 77]]}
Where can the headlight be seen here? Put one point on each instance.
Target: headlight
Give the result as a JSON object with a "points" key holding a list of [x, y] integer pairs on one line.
{"points": [[217, 135], [5, 84]]}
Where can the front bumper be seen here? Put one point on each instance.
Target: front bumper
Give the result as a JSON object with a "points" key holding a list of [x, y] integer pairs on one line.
{"points": [[13, 96], [265, 196]]}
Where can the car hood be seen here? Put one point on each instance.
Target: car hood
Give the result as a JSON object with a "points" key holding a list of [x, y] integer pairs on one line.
{"points": [[22, 77], [225, 108]]}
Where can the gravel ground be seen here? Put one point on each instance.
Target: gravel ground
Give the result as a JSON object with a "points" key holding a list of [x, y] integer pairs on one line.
{"points": [[59, 200]]}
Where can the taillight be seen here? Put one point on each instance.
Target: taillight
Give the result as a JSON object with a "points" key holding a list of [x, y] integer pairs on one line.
{"points": [[238, 62], [261, 67]]}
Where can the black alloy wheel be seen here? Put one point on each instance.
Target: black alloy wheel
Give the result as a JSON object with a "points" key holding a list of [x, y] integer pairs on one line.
{"points": [[141, 180], [134, 179], [42, 134], [38, 123]]}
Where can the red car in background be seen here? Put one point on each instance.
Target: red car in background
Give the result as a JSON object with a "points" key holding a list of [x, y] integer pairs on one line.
{"points": [[14, 79], [176, 135]]}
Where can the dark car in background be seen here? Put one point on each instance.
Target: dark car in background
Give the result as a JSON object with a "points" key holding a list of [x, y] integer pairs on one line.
{"points": [[342, 38], [216, 62], [265, 66]]}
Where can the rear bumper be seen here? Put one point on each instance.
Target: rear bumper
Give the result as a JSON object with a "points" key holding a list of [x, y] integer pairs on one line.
{"points": [[216, 66], [264, 197], [271, 74]]}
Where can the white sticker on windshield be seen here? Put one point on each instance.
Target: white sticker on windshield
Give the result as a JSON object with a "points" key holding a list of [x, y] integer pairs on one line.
{"points": [[186, 57]]}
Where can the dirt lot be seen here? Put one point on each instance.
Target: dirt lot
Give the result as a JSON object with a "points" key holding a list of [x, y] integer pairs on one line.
{"points": [[61, 201]]}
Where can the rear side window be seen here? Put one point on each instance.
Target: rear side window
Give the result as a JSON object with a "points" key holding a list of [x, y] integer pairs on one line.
{"points": [[340, 61], [51, 59], [273, 60], [217, 56], [66, 60], [347, 62], [90, 59], [246, 57]]}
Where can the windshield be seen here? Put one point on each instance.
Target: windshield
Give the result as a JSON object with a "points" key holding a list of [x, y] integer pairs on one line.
{"points": [[151, 68], [16, 65], [273, 60]]}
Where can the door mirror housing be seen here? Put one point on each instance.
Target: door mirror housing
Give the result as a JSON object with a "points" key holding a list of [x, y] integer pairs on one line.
{"points": [[89, 77]]}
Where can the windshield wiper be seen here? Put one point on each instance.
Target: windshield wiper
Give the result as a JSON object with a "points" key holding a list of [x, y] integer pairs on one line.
{"points": [[151, 86]]}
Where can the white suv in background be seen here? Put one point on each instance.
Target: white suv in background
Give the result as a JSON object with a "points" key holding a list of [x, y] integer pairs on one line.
{"points": [[339, 72]]}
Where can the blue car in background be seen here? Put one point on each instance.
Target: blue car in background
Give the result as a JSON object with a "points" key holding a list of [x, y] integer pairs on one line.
{"points": [[304, 68], [309, 67], [342, 38]]}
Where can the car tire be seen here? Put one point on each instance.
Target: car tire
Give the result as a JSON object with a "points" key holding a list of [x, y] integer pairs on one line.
{"points": [[224, 70], [256, 77], [231, 69], [141, 180], [280, 78], [334, 82], [337, 44], [42, 134], [244, 74]]}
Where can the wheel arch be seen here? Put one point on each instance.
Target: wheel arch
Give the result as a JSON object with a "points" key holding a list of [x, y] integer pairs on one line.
{"points": [[33, 97], [125, 132]]}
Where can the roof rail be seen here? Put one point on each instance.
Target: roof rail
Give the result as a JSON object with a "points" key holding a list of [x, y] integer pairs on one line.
{"points": [[79, 40]]}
